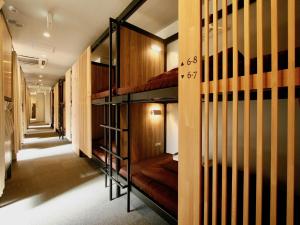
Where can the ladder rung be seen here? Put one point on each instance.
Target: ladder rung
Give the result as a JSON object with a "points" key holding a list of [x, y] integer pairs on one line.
{"points": [[114, 154], [113, 128]]}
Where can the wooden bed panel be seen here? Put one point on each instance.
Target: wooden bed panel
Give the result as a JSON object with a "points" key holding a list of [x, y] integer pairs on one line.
{"points": [[224, 114], [215, 114], [234, 207], [260, 114], [291, 113], [97, 119], [190, 182], [206, 115], [274, 113], [138, 62], [100, 75], [246, 113], [147, 131]]}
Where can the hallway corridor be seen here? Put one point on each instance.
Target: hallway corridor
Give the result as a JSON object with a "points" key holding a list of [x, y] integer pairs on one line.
{"points": [[50, 185]]}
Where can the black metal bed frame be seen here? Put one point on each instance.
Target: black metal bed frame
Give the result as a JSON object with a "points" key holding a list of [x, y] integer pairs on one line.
{"points": [[164, 96]]}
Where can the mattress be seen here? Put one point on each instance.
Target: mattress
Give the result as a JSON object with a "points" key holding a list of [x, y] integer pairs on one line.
{"points": [[158, 178], [164, 80]]}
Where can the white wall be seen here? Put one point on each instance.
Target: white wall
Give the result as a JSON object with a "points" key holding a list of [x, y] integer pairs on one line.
{"points": [[172, 128], [172, 55]]}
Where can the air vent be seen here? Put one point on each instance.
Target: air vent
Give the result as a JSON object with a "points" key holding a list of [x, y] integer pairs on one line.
{"points": [[27, 60]]}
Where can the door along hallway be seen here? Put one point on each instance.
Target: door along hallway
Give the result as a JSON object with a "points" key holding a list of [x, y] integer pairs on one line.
{"points": [[51, 185]]}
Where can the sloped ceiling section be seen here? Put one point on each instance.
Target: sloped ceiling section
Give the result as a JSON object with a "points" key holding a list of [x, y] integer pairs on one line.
{"points": [[76, 24]]}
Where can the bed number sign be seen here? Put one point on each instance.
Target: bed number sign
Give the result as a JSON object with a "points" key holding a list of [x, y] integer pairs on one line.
{"points": [[188, 62]]}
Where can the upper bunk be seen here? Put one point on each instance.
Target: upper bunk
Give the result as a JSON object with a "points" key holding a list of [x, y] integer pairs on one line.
{"points": [[138, 68]]}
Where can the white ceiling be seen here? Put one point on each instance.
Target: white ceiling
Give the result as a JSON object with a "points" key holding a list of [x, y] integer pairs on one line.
{"points": [[149, 17], [76, 25]]}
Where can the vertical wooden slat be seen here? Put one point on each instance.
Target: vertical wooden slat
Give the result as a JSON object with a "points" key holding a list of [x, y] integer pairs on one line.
{"points": [[215, 113], [190, 149], [291, 114], [206, 114], [260, 119], [234, 114], [246, 111], [274, 113], [224, 113]]}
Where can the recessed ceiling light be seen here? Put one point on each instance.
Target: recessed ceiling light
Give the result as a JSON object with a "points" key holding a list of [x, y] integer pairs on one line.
{"points": [[46, 34], [40, 80], [40, 76], [12, 9]]}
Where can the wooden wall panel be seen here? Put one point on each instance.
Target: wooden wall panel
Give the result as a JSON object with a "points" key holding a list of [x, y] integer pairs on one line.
{"points": [[7, 59], [68, 100], [100, 77], [85, 144], [138, 61], [147, 131], [75, 107], [2, 158], [190, 147], [81, 104], [17, 104], [56, 106]]}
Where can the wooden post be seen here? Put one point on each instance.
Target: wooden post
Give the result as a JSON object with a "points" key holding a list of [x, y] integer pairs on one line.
{"points": [[190, 152]]}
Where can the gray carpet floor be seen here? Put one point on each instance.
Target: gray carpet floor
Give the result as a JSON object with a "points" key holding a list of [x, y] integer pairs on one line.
{"points": [[50, 185]]}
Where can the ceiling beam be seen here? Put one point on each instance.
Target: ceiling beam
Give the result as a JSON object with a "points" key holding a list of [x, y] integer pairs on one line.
{"points": [[127, 12]]}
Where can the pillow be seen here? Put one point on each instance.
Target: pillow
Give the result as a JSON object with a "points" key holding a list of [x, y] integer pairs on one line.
{"points": [[163, 176]]}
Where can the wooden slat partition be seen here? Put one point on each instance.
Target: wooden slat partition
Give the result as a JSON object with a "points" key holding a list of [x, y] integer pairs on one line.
{"points": [[215, 113], [282, 81], [190, 149], [274, 113], [252, 163], [291, 114], [246, 112], [206, 113], [260, 114], [234, 114], [224, 114]]}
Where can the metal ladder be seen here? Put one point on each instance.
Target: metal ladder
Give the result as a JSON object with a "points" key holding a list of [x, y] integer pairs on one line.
{"points": [[109, 128]]}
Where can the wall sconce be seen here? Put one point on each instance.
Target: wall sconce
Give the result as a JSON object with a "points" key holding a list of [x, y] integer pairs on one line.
{"points": [[155, 48], [155, 112]]}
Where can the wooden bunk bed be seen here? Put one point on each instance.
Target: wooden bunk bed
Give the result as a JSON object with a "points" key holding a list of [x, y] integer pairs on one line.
{"points": [[155, 177], [122, 97]]}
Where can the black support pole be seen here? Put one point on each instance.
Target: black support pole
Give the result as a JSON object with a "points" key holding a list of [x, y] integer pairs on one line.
{"points": [[117, 106], [129, 156], [109, 106]]}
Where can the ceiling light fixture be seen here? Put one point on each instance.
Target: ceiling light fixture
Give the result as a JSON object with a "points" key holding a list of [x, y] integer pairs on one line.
{"points": [[12, 9], [40, 76], [40, 80], [47, 34], [49, 25]]}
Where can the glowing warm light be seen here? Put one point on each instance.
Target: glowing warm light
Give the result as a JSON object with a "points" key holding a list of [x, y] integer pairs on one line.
{"points": [[40, 76], [46, 34], [156, 48], [155, 112]]}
